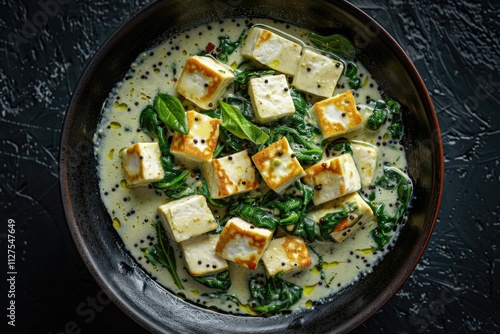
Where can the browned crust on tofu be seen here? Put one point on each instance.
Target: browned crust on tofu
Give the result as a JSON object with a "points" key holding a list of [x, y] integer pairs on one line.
{"points": [[265, 35], [344, 102], [271, 152], [185, 144], [333, 165], [229, 233], [294, 245], [195, 65]]}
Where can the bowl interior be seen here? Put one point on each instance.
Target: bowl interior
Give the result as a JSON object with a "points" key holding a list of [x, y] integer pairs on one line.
{"points": [[102, 250]]}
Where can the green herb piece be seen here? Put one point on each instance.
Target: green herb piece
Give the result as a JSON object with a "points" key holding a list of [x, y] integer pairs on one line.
{"points": [[336, 43], [287, 204], [205, 191], [230, 140], [170, 183], [305, 228], [382, 110], [149, 122], [221, 280], [163, 254], [393, 179], [255, 215], [242, 77], [329, 221], [232, 120], [244, 105], [171, 112], [377, 118], [273, 295], [307, 192], [291, 219], [351, 71], [319, 265], [162, 141], [297, 121], [342, 146], [227, 47]]}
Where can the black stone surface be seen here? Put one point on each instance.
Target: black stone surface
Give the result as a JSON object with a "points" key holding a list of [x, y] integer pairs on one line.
{"points": [[455, 45]]}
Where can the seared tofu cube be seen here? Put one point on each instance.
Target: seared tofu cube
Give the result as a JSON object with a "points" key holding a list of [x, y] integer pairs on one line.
{"points": [[360, 213], [333, 178], [187, 217], [278, 165], [286, 254], [272, 50], [336, 115], [199, 143], [317, 74], [365, 157], [141, 164], [203, 81], [243, 243], [270, 97], [200, 257], [230, 175]]}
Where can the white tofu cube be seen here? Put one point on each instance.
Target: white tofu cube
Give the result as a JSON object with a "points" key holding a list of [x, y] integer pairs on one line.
{"points": [[272, 50], [333, 178], [199, 143], [230, 175], [336, 115], [200, 257], [286, 254], [365, 157], [317, 74], [278, 165], [270, 97], [141, 164], [360, 214], [243, 243], [203, 81], [187, 217]]}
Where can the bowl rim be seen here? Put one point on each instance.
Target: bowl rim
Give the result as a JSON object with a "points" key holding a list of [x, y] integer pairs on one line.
{"points": [[368, 309]]}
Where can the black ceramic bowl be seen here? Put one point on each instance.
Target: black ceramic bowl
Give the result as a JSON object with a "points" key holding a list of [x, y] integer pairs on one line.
{"points": [[115, 270]]}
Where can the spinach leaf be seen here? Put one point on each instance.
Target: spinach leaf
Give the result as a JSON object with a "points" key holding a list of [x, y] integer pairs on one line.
{"points": [[393, 179], [232, 120], [171, 112], [319, 265], [287, 204], [255, 215], [336, 43], [221, 280], [329, 221], [226, 47], [378, 117], [307, 192], [244, 105], [273, 295], [162, 254], [297, 121], [351, 71], [205, 191], [149, 122], [383, 111], [342, 146], [305, 228], [242, 77]]}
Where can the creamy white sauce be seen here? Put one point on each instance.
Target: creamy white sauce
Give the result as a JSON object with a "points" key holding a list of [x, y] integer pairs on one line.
{"points": [[133, 210]]}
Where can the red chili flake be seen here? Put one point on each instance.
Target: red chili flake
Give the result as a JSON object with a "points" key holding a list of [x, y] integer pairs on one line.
{"points": [[209, 47]]}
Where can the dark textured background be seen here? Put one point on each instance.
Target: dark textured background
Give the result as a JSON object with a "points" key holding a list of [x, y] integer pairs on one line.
{"points": [[454, 45]]}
